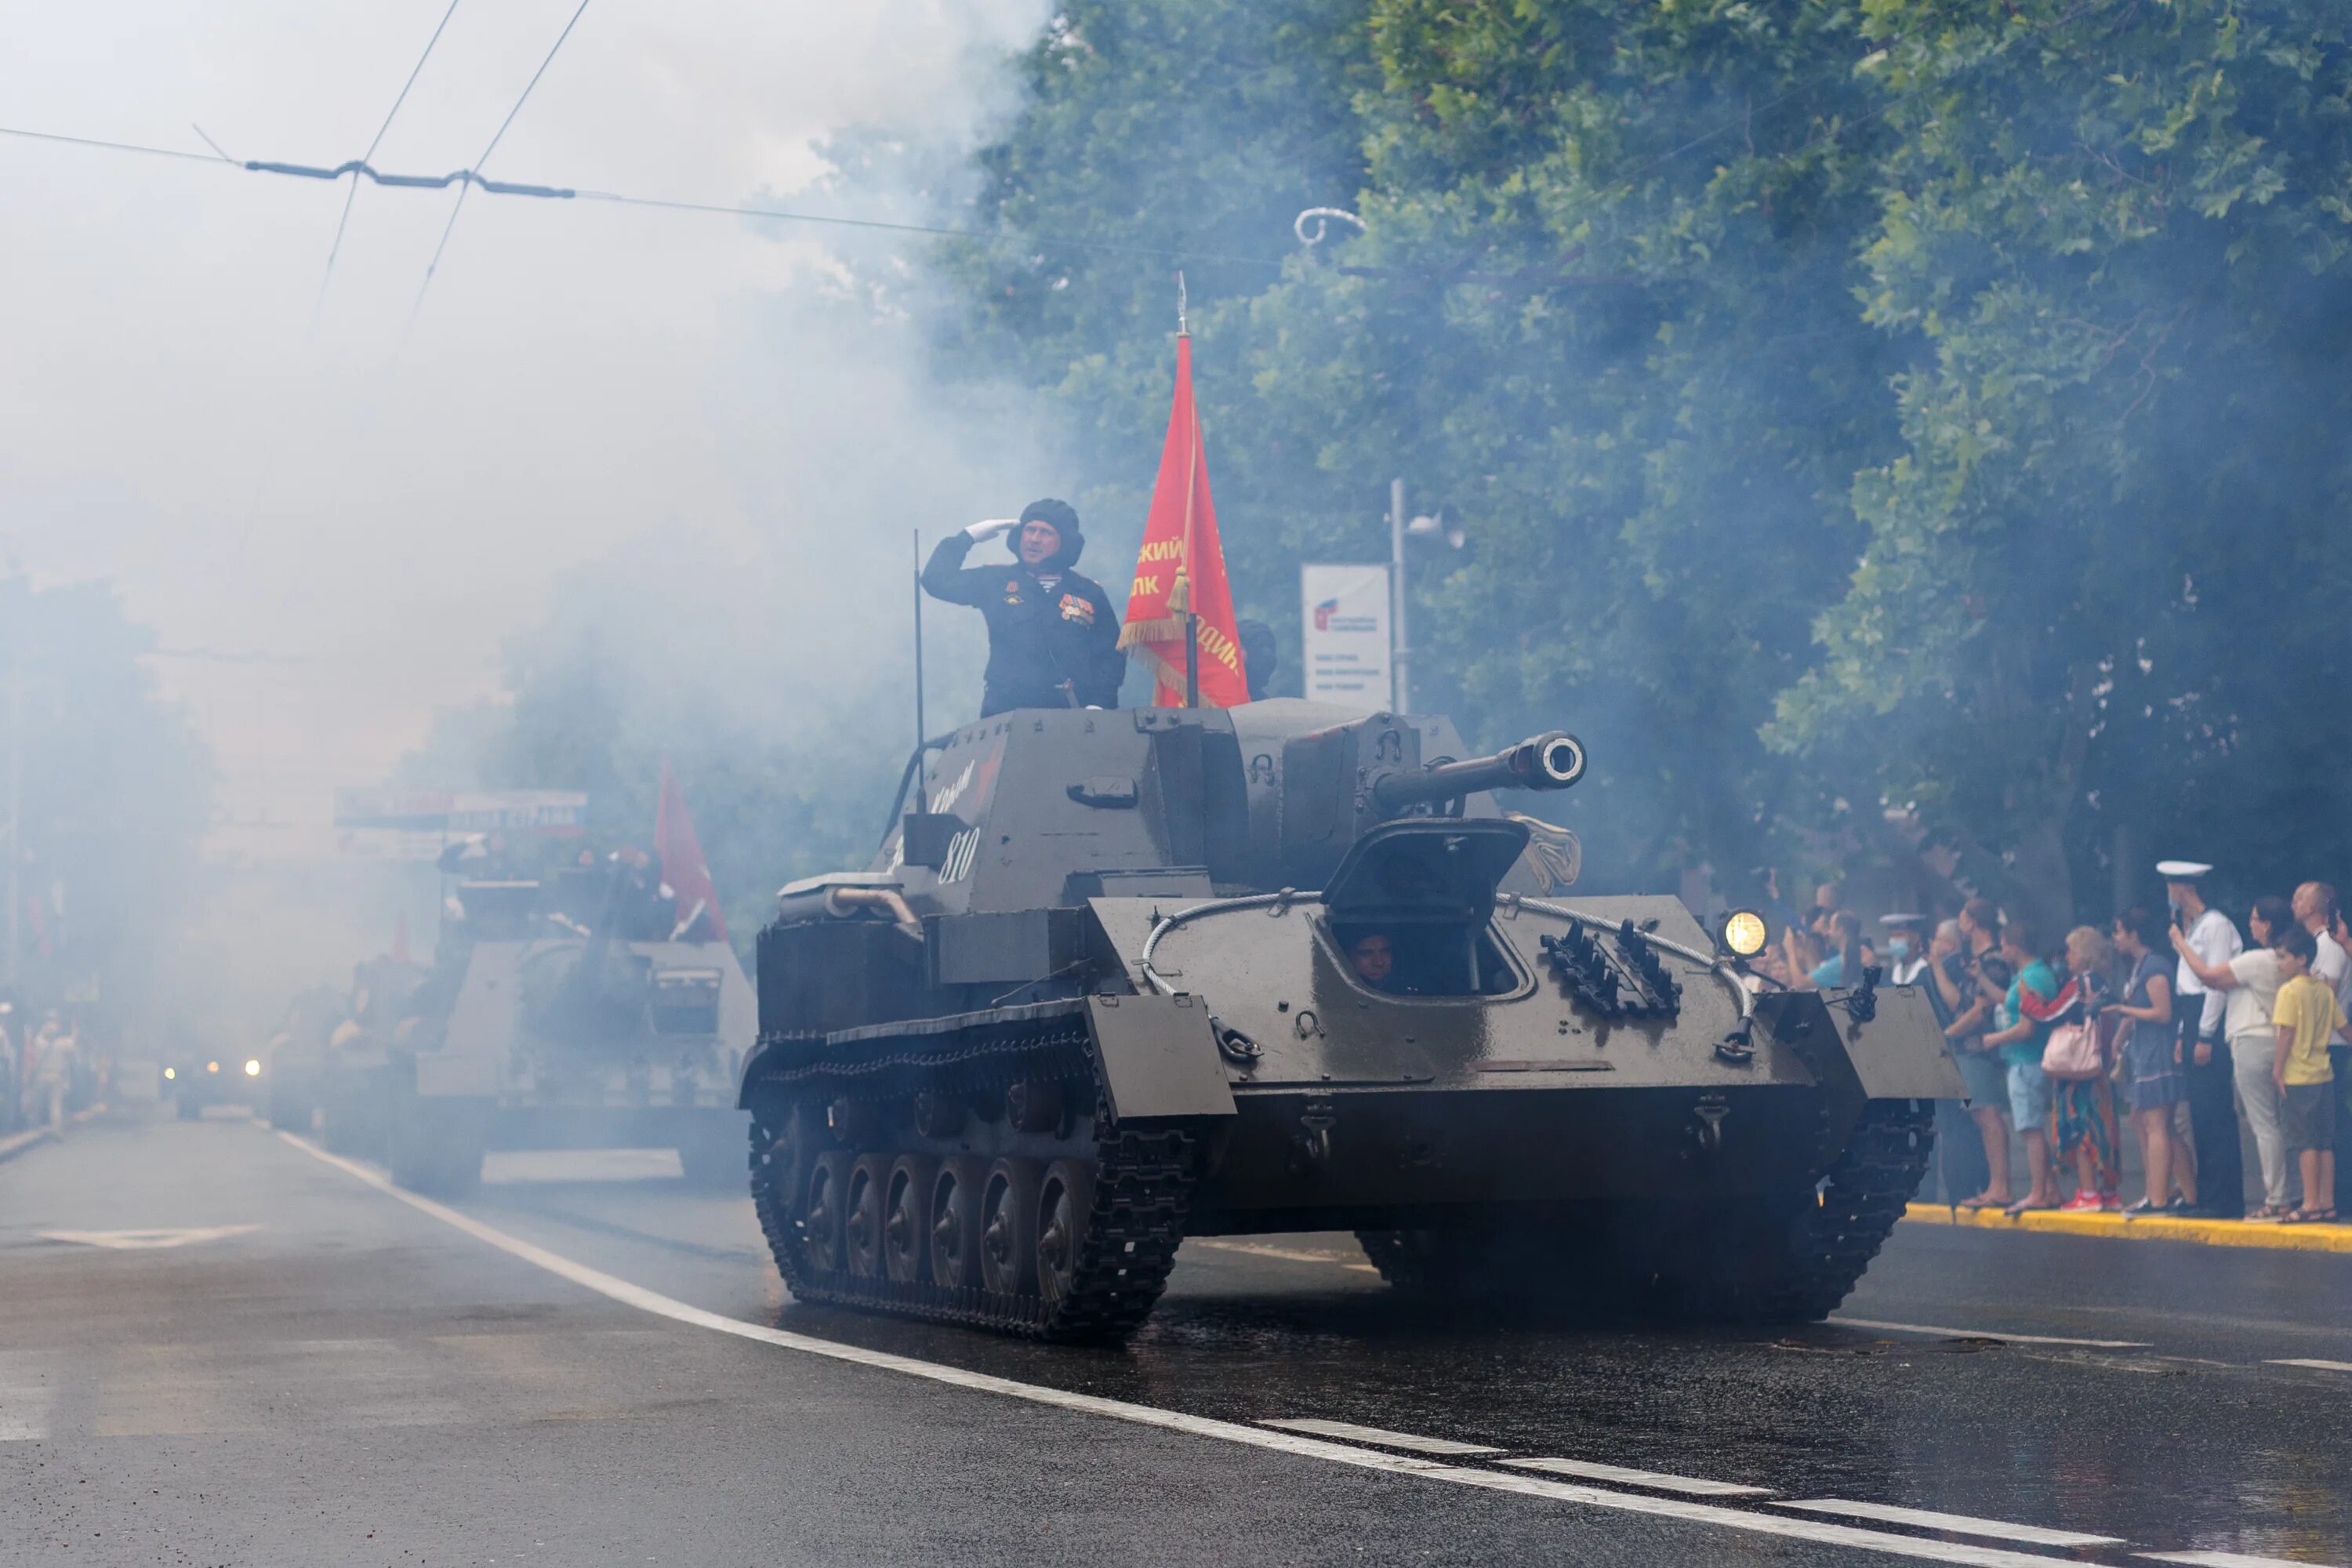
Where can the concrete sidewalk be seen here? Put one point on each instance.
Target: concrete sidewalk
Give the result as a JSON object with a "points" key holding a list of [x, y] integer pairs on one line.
{"points": [[2144, 1228]]}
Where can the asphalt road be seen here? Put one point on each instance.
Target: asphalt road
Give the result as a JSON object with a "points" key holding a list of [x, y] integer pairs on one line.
{"points": [[217, 1347]]}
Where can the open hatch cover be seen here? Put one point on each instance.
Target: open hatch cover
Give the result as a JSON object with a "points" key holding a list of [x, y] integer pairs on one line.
{"points": [[1425, 870]]}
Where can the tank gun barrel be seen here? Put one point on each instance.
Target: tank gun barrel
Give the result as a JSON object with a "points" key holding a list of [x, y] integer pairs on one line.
{"points": [[1553, 760]]}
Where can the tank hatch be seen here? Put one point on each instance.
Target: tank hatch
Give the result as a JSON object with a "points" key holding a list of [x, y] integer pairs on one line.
{"points": [[1425, 870]]}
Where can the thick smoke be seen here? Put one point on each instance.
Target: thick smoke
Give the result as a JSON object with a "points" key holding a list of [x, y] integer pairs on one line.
{"points": [[339, 507]]}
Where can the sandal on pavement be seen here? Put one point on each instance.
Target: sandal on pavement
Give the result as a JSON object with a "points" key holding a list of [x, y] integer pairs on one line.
{"points": [[2269, 1214], [1981, 1201], [2025, 1206], [2312, 1216]]}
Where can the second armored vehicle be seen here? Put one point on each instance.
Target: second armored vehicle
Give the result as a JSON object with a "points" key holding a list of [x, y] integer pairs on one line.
{"points": [[1123, 977], [564, 1016]]}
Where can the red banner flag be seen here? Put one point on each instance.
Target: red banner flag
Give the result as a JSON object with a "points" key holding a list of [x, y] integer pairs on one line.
{"points": [[683, 870], [1181, 568]]}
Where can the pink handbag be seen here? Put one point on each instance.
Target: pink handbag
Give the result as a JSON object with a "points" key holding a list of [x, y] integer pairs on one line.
{"points": [[2072, 1052]]}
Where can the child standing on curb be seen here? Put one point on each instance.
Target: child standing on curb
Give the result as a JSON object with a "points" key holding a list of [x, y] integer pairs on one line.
{"points": [[2307, 1018]]}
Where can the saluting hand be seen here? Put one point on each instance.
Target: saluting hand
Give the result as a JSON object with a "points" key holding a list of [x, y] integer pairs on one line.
{"points": [[993, 528]]}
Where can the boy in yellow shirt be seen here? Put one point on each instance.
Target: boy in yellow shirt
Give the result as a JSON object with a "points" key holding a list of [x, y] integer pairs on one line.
{"points": [[2307, 1018]]}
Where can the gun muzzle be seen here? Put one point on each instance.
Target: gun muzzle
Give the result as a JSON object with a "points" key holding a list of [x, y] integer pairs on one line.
{"points": [[1550, 761]]}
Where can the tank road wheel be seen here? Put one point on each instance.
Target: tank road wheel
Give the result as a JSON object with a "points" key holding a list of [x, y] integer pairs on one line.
{"points": [[1064, 1200], [861, 1224], [825, 1209], [1071, 1241], [1008, 1227], [954, 1245], [907, 1218]]}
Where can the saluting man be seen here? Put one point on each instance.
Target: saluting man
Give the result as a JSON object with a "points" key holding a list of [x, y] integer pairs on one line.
{"points": [[1053, 637]]}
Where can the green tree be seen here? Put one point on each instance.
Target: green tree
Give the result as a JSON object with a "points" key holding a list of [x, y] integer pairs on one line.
{"points": [[114, 795], [2101, 579], [1876, 420]]}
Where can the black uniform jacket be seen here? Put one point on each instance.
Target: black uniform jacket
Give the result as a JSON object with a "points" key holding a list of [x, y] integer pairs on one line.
{"points": [[1038, 639]]}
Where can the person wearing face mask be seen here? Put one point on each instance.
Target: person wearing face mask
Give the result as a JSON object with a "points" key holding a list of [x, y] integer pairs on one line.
{"points": [[1907, 948], [1053, 636]]}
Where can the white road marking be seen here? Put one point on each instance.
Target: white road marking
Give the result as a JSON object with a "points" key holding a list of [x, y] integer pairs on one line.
{"points": [[1385, 1439], [2221, 1560], [1662, 1483], [1287, 1254], [2320, 1365], [1958, 1523], [1988, 1334], [616, 1290], [140, 1240]]}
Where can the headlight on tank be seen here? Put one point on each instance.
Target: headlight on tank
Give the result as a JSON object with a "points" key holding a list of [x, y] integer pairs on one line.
{"points": [[253, 1069], [1744, 933], [171, 1072], [212, 1067]]}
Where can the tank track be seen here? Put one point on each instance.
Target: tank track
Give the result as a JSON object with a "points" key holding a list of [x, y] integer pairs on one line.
{"points": [[1140, 1192], [1863, 1195]]}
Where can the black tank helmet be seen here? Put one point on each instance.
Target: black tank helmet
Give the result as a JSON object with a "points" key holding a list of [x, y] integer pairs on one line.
{"points": [[1062, 518]]}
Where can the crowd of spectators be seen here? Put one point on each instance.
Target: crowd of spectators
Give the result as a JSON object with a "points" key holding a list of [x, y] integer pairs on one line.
{"points": [[2169, 1023]]}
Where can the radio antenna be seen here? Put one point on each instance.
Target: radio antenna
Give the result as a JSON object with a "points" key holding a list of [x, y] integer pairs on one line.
{"points": [[923, 733]]}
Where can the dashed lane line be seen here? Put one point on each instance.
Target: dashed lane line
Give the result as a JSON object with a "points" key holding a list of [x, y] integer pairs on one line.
{"points": [[1385, 1439], [1657, 1479], [1958, 1523], [2315, 1365], [1818, 1532], [2221, 1560], [1287, 1254], [1988, 1334]]}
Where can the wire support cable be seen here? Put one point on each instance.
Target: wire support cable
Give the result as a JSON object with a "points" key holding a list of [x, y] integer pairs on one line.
{"points": [[495, 137]]}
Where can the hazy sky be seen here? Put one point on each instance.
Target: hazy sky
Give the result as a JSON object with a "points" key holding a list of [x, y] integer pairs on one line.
{"points": [[374, 503]]}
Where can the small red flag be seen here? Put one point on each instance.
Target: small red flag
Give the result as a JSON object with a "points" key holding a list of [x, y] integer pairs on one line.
{"points": [[683, 868], [1181, 568]]}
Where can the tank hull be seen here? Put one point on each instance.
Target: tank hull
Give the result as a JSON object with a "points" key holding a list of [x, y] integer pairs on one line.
{"points": [[1068, 1019]]}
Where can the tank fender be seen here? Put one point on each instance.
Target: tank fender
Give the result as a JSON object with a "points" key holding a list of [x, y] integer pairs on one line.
{"points": [[1896, 1052], [1899, 1051], [1158, 1057]]}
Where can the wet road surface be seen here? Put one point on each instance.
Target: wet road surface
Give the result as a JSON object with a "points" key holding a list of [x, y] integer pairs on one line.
{"points": [[221, 1347]]}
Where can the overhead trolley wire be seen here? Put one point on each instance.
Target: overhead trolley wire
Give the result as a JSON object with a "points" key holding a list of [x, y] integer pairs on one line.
{"points": [[402, 97], [475, 176]]}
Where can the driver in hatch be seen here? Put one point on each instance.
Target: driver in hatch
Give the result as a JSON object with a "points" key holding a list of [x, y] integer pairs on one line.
{"points": [[1374, 957], [1053, 637]]}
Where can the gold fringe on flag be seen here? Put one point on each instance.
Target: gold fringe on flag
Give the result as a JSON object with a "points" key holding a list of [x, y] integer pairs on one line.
{"points": [[1161, 628]]}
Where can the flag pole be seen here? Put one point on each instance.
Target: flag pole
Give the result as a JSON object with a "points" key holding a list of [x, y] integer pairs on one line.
{"points": [[1191, 483]]}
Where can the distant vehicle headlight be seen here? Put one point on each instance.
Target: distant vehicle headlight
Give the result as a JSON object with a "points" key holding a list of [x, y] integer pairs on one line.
{"points": [[212, 1067], [1744, 932], [253, 1070], [171, 1072]]}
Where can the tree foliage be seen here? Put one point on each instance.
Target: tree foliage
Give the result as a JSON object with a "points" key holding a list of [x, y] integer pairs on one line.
{"points": [[1874, 421], [115, 792]]}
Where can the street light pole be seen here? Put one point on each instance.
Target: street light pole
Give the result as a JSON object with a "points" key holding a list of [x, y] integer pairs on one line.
{"points": [[1400, 651], [15, 648]]}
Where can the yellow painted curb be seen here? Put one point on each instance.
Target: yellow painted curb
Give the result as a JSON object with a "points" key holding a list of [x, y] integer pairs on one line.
{"points": [[2144, 1228]]}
